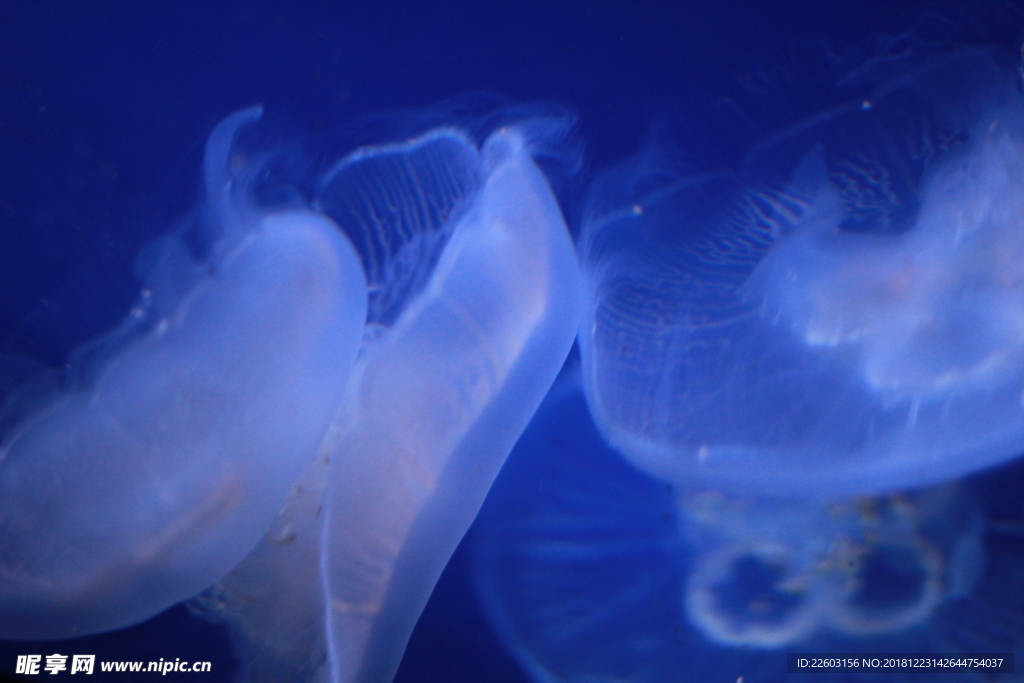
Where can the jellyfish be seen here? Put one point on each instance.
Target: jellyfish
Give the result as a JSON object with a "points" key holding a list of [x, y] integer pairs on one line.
{"points": [[474, 305], [157, 462], [793, 349], [591, 570], [840, 307]]}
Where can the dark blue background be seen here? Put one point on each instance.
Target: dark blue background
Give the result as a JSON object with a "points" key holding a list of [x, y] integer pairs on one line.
{"points": [[105, 106]]}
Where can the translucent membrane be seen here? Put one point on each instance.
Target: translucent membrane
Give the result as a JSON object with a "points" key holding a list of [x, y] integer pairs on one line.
{"points": [[842, 312], [477, 300], [144, 483], [602, 573]]}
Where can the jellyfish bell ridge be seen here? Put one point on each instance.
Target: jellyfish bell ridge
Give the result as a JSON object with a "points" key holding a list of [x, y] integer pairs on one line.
{"points": [[838, 311], [136, 489], [477, 297]]}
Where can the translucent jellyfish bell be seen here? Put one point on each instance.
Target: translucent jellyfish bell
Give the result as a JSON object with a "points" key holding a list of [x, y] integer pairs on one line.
{"points": [[167, 456], [842, 309], [474, 306], [602, 573]]}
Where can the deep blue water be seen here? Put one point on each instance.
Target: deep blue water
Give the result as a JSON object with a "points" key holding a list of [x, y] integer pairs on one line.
{"points": [[105, 107]]}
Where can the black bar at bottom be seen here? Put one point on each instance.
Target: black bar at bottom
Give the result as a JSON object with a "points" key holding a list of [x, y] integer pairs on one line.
{"points": [[993, 662]]}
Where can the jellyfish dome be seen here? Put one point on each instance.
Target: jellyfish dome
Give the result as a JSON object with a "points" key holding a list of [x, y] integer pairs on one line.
{"points": [[166, 452], [602, 573], [839, 309], [474, 302]]}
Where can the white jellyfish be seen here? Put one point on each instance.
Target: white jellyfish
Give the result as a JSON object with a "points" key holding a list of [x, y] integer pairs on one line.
{"points": [[789, 359], [603, 573], [169, 452], [840, 310], [474, 303]]}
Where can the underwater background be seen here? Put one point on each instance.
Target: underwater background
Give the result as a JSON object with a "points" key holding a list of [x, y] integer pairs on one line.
{"points": [[105, 108]]}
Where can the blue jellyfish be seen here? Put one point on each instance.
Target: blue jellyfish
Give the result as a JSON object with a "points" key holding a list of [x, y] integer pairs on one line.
{"points": [[474, 302], [306, 407], [790, 358], [841, 309], [591, 570], [176, 437]]}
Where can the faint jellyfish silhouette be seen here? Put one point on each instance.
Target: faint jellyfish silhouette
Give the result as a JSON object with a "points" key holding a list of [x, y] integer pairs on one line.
{"points": [[602, 573]]}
